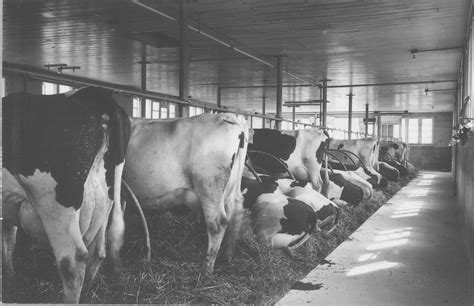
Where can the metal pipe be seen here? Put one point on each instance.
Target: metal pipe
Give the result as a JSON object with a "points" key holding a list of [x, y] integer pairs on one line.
{"points": [[389, 84], [263, 86], [279, 90], [325, 98], [219, 95], [143, 81], [137, 2], [350, 115], [366, 119], [183, 58]]}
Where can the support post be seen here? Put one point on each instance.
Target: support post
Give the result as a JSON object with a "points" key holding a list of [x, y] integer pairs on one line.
{"points": [[379, 124], [350, 115], [219, 94], [324, 102], [183, 110], [279, 93], [293, 117], [143, 63], [366, 119]]}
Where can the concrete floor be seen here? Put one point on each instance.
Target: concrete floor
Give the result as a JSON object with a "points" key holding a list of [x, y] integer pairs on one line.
{"points": [[409, 252]]}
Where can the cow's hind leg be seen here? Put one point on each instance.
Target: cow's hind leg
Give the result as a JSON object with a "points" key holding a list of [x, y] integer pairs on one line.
{"points": [[61, 225], [8, 240], [69, 250], [216, 224], [233, 229], [97, 255]]}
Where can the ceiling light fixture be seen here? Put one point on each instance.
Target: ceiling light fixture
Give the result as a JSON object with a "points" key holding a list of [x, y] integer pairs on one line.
{"points": [[73, 68]]}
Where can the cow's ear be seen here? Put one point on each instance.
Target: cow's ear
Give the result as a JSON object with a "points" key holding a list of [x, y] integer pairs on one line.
{"points": [[395, 146]]}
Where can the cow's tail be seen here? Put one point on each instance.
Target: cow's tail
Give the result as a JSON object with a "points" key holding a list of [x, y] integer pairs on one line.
{"points": [[116, 227], [238, 164], [233, 198], [120, 135]]}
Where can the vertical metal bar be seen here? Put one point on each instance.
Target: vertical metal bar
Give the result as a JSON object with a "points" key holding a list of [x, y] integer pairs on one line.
{"points": [[366, 119], [263, 111], [219, 94], [379, 125], [143, 80], [294, 117], [279, 93], [325, 98], [350, 115], [183, 58]]}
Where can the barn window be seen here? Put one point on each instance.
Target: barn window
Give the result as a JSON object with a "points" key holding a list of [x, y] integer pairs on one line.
{"points": [[49, 88], [257, 122], [172, 110], [413, 130], [396, 131], [148, 108], [426, 131], [155, 110], [163, 111], [404, 130], [137, 108], [194, 111], [64, 88], [53, 88]]}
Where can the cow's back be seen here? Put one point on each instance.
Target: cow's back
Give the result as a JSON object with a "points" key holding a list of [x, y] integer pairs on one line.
{"points": [[62, 135], [366, 149], [164, 155]]}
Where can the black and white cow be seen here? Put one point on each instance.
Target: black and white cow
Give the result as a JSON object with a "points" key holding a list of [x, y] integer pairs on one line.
{"points": [[196, 162], [301, 151], [63, 160], [284, 215], [367, 150]]}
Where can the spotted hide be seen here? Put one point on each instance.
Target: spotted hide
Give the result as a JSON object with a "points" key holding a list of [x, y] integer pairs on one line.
{"points": [[302, 152], [196, 162], [284, 215], [63, 161]]}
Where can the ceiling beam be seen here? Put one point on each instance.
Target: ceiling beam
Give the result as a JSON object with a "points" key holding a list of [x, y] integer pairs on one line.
{"points": [[222, 42]]}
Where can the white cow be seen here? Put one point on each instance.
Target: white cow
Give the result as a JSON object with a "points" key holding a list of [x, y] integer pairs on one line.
{"points": [[196, 162]]}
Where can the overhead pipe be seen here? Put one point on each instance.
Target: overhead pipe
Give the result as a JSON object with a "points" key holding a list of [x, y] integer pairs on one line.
{"points": [[389, 84], [238, 50]]}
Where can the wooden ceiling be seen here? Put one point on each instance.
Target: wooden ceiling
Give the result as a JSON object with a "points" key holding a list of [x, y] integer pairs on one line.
{"points": [[348, 42]]}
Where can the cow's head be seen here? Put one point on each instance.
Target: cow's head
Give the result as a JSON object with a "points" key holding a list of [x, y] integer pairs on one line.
{"points": [[389, 172], [397, 151], [342, 189]]}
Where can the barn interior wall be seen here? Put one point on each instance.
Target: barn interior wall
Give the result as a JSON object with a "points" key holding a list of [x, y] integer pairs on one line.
{"points": [[463, 171], [20, 83], [465, 194], [438, 155]]}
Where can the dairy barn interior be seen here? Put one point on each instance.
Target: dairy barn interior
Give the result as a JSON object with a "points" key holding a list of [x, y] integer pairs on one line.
{"points": [[397, 71]]}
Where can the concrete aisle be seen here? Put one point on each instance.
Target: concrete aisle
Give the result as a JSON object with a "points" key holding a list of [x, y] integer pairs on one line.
{"points": [[409, 252]]}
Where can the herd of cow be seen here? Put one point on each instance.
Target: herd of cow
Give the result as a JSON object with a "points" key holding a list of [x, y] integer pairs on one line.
{"points": [[66, 155]]}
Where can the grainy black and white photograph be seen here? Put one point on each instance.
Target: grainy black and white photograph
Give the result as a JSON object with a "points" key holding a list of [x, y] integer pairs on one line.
{"points": [[288, 152]]}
